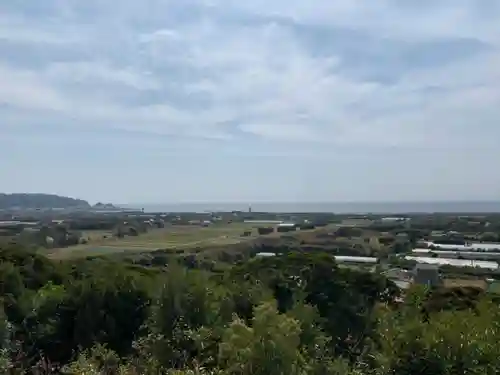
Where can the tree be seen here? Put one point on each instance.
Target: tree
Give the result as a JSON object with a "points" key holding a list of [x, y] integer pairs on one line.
{"points": [[5, 342], [270, 346], [401, 247], [450, 342], [187, 303], [489, 237], [343, 298], [298, 313], [84, 313]]}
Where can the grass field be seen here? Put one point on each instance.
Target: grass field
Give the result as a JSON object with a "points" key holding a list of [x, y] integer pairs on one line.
{"points": [[464, 283], [171, 237]]}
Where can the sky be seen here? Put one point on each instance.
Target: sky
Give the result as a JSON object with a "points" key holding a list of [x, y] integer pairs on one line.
{"points": [[223, 100]]}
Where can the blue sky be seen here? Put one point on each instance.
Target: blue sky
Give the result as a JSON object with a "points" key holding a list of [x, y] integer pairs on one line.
{"points": [[225, 100]]}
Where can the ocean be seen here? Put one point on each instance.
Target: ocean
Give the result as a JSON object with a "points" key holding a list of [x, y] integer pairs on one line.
{"points": [[335, 207]]}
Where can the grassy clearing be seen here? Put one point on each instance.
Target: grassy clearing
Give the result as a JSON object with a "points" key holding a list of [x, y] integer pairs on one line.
{"points": [[464, 283], [96, 235], [172, 237]]}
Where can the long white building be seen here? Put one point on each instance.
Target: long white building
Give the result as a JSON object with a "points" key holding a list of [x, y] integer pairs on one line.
{"points": [[479, 255], [475, 246], [455, 262]]}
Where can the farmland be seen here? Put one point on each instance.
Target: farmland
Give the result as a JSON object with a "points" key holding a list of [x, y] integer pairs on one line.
{"points": [[168, 238]]}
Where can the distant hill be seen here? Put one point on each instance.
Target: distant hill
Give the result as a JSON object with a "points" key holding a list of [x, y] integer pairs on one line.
{"points": [[44, 201]]}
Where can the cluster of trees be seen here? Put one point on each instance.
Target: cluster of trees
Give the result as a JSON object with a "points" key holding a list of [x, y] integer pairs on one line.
{"points": [[94, 223], [298, 314], [455, 223], [490, 237], [109, 222], [49, 236], [265, 230], [456, 229], [132, 227], [70, 234]]}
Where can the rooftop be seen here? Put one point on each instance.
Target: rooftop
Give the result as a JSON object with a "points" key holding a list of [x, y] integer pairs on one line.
{"points": [[338, 258], [263, 254], [475, 246], [455, 262], [427, 266], [492, 253], [10, 223], [263, 221], [354, 259], [287, 224]]}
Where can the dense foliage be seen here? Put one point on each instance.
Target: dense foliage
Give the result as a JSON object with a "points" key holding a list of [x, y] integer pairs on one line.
{"points": [[295, 314]]}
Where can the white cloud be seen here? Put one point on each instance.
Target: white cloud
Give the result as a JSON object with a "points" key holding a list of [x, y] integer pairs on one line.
{"points": [[160, 35], [223, 68], [13, 33], [99, 72], [25, 90], [26, 30], [282, 132], [401, 19]]}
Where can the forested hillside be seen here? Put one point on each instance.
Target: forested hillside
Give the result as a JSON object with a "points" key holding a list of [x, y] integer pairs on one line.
{"points": [[28, 200], [299, 314]]}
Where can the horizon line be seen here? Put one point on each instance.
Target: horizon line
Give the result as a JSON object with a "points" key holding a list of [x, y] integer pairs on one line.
{"points": [[316, 202]]}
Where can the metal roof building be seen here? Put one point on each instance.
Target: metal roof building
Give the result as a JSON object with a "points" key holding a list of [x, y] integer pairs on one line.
{"points": [[458, 254], [263, 254], [338, 258], [290, 225], [455, 262], [475, 246], [427, 274], [263, 222], [353, 259]]}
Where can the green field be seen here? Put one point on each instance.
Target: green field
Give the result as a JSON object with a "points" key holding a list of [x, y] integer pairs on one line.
{"points": [[171, 237]]}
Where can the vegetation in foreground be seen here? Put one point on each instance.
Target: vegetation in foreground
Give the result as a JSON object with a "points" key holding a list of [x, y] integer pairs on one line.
{"points": [[295, 314]]}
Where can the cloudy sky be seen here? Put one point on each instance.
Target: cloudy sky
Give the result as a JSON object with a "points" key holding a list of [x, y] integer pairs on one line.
{"points": [[275, 100]]}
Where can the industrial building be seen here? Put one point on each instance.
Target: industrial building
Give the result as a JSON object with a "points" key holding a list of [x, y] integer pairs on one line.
{"points": [[475, 246], [427, 274], [455, 262], [479, 255]]}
